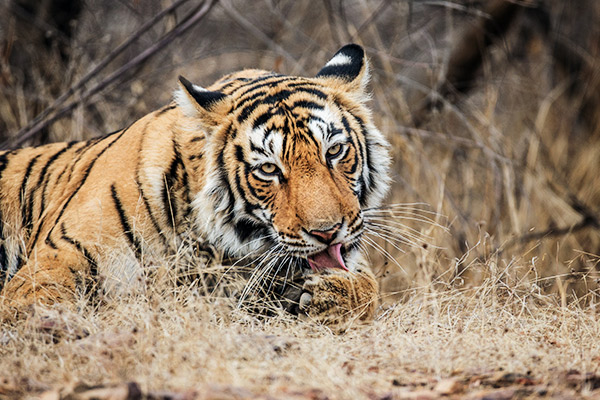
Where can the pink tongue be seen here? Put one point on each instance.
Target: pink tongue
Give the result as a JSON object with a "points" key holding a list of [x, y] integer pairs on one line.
{"points": [[329, 258]]}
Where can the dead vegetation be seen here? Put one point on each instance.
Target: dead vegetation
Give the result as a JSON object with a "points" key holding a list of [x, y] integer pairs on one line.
{"points": [[492, 108]]}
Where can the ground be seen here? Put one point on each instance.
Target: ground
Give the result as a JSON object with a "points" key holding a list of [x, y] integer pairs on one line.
{"points": [[476, 343]]}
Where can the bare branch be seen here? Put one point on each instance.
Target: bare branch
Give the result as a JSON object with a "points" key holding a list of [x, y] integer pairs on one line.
{"points": [[257, 33], [42, 120]]}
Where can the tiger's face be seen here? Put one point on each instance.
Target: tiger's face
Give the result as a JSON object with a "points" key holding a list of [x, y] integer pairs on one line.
{"points": [[291, 161]]}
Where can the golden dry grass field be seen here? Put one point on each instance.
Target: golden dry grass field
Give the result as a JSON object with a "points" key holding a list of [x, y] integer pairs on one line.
{"points": [[489, 276]]}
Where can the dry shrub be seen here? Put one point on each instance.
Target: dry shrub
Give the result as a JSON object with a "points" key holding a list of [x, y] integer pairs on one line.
{"points": [[168, 339]]}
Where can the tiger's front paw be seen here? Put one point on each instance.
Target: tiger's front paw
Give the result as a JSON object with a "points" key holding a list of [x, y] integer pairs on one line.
{"points": [[340, 297]]}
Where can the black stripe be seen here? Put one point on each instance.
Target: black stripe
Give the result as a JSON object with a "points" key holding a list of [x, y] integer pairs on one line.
{"points": [[317, 118], [164, 110], [110, 134], [238, 184], [252, 98], [26, 216], [308, 137], [133, 242], [307, 88], [42, 177], [3, 255], [244, 112], [168, 197], [304, 83], [88, 256], [228, 81], [184, 183], [274, 98], [47, 182], [153, 218], [239, 153], [50, 243], [80, 151], [39, 225], [259, 83], [86, 253], [82, 182], [4, 161], [246, 229], [359, 227], [333, 131], [263, 180], [257, 149], [266, 116], [218, 191], [355, 161], [349, 131], [140, 186], [306, 104], [284, 146], [369, 187]]}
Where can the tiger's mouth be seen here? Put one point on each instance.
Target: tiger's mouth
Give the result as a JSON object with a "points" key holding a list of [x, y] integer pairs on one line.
{"points": [[331, 257]]}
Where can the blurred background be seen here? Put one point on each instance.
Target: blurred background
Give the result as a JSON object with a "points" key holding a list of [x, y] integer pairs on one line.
{"points": [[492, 108]]}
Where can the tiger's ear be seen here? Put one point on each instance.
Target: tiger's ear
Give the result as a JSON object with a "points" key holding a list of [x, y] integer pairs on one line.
{"points": [[349, 67], [195, 101]]}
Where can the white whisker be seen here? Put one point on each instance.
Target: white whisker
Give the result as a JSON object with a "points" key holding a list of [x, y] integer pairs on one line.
{"points": [[377, 246], [406, 238], [391, 240]]}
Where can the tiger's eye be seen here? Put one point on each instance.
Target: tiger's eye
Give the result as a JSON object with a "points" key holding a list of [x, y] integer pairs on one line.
{"points": [[268, 169], [334, 150]]}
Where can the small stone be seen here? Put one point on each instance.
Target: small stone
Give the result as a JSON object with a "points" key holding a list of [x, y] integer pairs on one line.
{"points": [[448, 386]]}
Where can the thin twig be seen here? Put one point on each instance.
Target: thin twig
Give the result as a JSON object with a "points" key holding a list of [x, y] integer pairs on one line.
{"points": [[370, 19], [258, 34], [550, 233]]}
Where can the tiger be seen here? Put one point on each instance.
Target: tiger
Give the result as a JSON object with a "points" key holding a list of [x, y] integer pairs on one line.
{"points": [[258, 163]]}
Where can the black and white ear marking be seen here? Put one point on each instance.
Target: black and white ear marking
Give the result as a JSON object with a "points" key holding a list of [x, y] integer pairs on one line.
{"points": [[204, 98], [349, 64]]}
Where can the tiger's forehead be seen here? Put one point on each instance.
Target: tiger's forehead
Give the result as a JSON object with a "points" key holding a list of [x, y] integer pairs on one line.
{"points": [[285, 135], [260, 96], [279, 113], [241, 82]]}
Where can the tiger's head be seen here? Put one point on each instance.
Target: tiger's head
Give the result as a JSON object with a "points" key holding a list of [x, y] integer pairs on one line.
{"points": [[291, 162]]}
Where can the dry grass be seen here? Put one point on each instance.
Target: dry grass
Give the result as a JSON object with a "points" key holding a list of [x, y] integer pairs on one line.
{"points": [[510, 171], [496, 335]]}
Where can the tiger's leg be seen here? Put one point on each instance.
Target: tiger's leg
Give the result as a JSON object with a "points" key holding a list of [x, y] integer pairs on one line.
{"points": [[335, 297], [49, 276]]}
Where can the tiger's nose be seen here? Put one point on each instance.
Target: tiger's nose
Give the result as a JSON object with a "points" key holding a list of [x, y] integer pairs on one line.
{"points": [[326, 235]]}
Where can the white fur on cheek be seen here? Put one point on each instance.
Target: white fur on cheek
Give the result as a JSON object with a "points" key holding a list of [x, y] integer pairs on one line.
{"points": [[212, 213]]}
